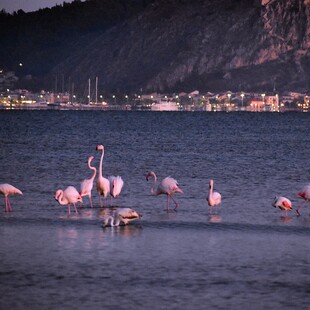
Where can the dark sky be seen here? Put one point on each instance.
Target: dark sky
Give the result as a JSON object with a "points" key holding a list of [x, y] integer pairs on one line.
{"points": [[28, 5]]}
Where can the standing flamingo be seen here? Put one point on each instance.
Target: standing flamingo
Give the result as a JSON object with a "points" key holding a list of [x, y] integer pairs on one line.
{"points": [[214, 198], [282, 203], [87, 184], [69, 196], [116, 185], [304, 194], [103, 184], [167, 186], [6, 190], [124, 215]]}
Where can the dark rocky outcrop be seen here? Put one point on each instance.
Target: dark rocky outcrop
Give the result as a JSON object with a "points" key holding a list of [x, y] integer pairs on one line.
{"points": [[174, 45]]}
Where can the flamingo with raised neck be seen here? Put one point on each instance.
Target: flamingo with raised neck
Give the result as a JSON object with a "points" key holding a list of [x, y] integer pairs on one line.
{"points": [[103, 184], [87, 184]]}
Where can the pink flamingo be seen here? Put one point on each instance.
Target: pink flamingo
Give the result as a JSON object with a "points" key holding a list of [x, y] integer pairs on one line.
{"points": [[103, 184], [116, 185], [304, 194], [67, 197], [124, 215], [214, 198], [167, 186], [87, 184], [6, 190], [282, 203]]}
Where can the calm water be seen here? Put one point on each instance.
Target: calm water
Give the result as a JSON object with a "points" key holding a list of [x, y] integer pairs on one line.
{"points": [[246, 255]]}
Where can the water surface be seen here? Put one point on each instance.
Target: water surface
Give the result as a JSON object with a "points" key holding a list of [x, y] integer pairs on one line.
{"points": [[244, 254]]}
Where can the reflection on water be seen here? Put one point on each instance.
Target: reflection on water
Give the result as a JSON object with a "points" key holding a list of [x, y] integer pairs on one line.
{"points": [[215, 218], [127, 231], [285, 219]]}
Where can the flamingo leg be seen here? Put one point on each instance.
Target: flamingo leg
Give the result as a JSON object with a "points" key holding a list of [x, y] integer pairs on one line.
{"points": [[176, 204], [167, 205], [100, 201], [90, 201], [69, 211], [300, 207], [8, 205], [76, 211]]}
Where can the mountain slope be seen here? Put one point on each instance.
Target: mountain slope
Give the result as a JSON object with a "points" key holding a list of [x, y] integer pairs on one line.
{"points": [[181, 45]]}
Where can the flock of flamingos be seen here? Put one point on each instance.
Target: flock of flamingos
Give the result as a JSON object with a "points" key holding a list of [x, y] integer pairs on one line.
{"points": [[113, 186]]}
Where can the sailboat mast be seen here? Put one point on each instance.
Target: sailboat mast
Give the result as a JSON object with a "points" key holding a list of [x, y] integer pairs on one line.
{"points": [[88, 91], [96, 89]]}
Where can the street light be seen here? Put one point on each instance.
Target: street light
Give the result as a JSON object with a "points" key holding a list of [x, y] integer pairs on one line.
{"points": [[242, 96]]}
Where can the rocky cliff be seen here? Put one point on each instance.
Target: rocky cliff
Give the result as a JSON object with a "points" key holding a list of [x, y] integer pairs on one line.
{"points": [[174, 45]]}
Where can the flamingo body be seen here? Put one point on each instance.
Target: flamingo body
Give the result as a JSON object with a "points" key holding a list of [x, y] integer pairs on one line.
{"points": [[67, 197], [116, 185], [87, 184], [6, 190], [103, 184], [122, 215], [305, 195], [214, 198], [282, 203], [168, 186]]}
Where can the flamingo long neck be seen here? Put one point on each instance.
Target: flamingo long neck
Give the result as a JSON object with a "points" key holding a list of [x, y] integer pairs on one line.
{"points": [[112, 220], [100, 165], [154, 183], [211, 193], [92, 168], [60, 198]]}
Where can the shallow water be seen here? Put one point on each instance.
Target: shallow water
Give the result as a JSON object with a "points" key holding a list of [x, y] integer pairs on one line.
{"points": [[244, 254]]}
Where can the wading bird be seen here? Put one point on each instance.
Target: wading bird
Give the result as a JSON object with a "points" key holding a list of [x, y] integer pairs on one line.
{"points": [[116, 185], [87, 184], [304, 194], [67, 197], [103, 184], [214, 198], [282, 203], [6, 190], [167, 186], [122, 215]]}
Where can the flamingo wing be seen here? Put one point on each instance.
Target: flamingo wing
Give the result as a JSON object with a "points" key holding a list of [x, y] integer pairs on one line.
{"points": [[287, 205], [168, 186]]}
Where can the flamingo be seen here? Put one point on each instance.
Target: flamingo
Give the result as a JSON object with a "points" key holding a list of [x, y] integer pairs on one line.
{"points": [[167, 186], [305, 195], [122, 215], [6, 190], [214, 198], [67, 197], [87, 184], [103, 184], [282, 203], [116, 185]]}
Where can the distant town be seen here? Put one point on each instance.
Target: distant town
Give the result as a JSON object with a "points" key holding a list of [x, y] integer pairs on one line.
{"points": [[226, 101]]}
